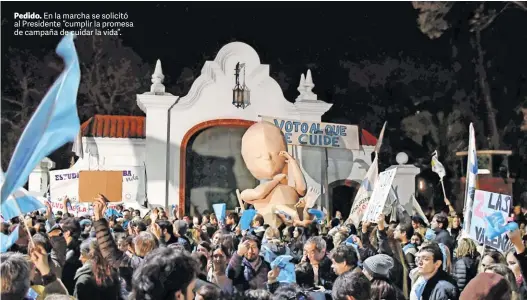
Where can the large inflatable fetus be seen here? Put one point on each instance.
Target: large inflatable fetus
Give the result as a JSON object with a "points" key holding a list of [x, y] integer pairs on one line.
{"points": [[264, 151]]}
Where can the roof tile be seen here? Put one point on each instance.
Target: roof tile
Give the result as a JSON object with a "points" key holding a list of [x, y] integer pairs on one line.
{"points": [[109, 126]]}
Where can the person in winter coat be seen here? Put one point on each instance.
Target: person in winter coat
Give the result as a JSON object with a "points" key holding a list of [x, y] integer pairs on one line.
{"points": [[466, 266], [96, 279], [247, 269], [72, 233], [55, 246], [440, 225], [434, 283]]}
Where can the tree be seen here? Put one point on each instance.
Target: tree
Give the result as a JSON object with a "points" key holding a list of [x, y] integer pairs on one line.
{"points": [[432, 21], [26, 79], [394, 88], [112, 75]]}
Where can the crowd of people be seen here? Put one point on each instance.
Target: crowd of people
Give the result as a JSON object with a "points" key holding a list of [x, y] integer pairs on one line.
{"points": [[119, 254]]}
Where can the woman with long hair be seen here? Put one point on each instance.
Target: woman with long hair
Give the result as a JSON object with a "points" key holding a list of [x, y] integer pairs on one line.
{"points": [[466, 266], [96, 279], [216, 269], [296, 245], [490, 257], [377, 269]]}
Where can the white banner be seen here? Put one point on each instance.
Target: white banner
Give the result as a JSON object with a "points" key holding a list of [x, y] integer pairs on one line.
{"points": [[317, 134], [360, 203], [379, 195], [65, 183]]}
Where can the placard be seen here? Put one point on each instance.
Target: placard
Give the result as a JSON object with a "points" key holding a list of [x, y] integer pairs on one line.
{"points": [[107, 183], [486, 204], [317, 134], [379, 195], [65, 183]]}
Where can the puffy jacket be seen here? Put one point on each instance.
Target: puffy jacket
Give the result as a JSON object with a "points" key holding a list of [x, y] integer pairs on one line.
{"points": [[465, 268]]}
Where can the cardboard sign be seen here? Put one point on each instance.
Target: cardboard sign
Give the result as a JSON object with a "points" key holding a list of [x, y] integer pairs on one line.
{"points": [[379, 195], [107, 183], [487, 204]]}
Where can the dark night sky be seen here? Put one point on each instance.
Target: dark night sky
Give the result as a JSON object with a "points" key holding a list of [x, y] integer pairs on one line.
{"points": [[296, 32]]}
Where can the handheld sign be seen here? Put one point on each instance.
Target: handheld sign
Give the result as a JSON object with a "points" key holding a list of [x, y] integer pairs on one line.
{"points": [[219, 210], [247, 218], [107, 183], [379, 195], [486, 226]]}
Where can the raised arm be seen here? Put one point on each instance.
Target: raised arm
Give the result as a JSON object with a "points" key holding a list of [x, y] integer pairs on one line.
{"points": [[298, 176]]}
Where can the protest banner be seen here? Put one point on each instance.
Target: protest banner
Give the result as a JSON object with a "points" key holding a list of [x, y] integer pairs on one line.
{"points": [[317, 134], [360, 203], [486, 204], [379, 195], [65, 183]]}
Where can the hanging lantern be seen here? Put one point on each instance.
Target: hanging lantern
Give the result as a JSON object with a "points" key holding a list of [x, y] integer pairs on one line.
{"points": [[241, 95]]}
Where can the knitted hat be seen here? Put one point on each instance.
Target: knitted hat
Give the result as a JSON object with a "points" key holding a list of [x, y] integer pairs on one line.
{"points": [[379, 264], [486, 286]]}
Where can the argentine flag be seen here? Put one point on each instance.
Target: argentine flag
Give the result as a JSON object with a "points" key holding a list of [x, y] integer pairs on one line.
{"points": [[54, 123]]}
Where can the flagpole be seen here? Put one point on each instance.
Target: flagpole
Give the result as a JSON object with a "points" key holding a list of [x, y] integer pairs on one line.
{"points": [[443, 186], [23, 221]]}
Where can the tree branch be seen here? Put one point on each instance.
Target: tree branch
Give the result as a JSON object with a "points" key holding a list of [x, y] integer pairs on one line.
{"points": [[520, 4], [11, 101], [13, 124]]}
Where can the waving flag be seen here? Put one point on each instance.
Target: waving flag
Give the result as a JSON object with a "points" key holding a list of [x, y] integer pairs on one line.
{"points": [[471, 178], [19, 202], [437, 166], [54, 123], [379, 140], [7, 241], [360, 203]]}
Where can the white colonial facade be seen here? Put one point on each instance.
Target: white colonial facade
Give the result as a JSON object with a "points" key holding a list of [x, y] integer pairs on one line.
{"points": [[158, 145]]}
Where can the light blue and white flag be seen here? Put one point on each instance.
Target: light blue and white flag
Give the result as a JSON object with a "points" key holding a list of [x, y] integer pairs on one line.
{"points": [[54, 123], [471, 178]]}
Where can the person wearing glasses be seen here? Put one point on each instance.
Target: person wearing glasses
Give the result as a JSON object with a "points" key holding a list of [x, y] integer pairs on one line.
{"points": [[433, 282]]}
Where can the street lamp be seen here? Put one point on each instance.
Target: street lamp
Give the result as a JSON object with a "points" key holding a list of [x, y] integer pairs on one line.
{"points": [[241, 95]]}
